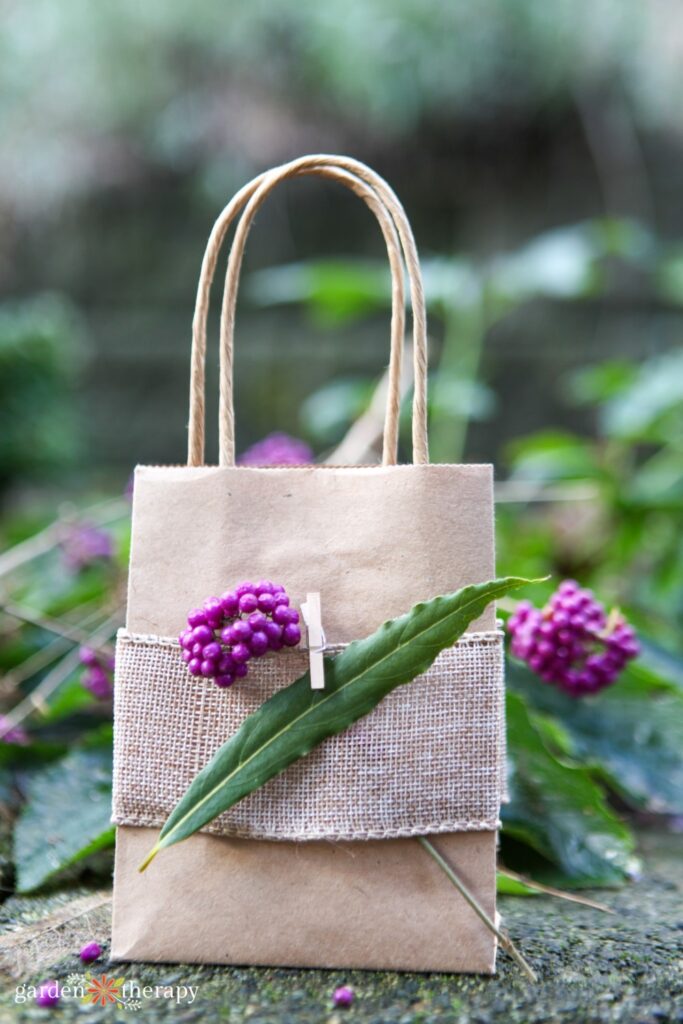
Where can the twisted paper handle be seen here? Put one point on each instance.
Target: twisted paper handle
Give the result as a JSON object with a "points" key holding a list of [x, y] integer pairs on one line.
{"points": [[394, 225]]}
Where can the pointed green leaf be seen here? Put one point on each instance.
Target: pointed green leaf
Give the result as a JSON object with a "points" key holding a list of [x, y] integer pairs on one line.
{"points": [[297, 718], [559, 810]]}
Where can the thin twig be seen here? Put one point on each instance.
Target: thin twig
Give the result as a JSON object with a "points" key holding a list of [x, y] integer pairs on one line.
{"points": [[76, 636], [44, 656], [36, 699], [524, 492], [360, 442], [550, 891], [40, 543], [505, 940]]}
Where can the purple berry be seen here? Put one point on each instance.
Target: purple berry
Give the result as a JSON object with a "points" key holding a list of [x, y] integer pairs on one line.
{"points": [[240, 670], [292, 616], [213, 651], [202, 635], [195, 667], [264, 587], [47, 993], [266, 602], [187, 657], [241, 631], [185, 639], [257, 620], [343, 997], [291, 635], [274, 633], [225, 664], [281, 597], [244, 588], [90, 952], [197, 650], [258, 643], [224, 680], [248, 603], [208, 668], [241, 653], [197, 617], [281, 614], [213, 607], [229, 602], [87, 656]]}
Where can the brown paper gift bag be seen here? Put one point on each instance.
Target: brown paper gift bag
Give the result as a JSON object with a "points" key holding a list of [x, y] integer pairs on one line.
{"points": [[320, 867]]}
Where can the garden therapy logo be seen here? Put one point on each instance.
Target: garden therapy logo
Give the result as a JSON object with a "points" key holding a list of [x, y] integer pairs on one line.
{"points": [[105, 990]]}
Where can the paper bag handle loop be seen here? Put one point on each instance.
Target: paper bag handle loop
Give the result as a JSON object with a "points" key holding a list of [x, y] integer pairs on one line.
{"points": [[381, 199], [218, 233]]}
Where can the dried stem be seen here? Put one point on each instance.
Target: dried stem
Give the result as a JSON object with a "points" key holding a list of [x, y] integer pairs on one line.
{"points": [[40, 543], [36, 699], [505, 940], [76, 636], [47, 654], [548, 890], [360, 442]]}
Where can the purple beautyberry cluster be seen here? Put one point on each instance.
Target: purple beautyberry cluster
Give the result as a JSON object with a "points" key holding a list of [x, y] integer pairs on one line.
{"points": [[228, 631], [277, 450], [99, 672], [571, 642], [12, 734], [83, 544]]}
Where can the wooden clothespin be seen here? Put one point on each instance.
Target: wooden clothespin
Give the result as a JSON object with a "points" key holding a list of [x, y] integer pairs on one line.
{"points": [[316, 640]]}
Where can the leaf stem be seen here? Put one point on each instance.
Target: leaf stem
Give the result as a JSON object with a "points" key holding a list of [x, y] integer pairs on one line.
{"points": [[150, 857], [548, 890], [505, 940]]}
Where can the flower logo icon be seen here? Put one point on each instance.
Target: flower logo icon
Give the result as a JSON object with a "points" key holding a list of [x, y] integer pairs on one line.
{"points": [[104, 990]]}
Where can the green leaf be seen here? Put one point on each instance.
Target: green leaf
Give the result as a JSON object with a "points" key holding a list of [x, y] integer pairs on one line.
{"points": [[559, 810], [296, 719], [507, 886], [632, 732], [66, 818], [335, 290], [552, 455]]}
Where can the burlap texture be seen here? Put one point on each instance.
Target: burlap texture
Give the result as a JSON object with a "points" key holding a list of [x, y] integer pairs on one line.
{"points": [[426, 760]]}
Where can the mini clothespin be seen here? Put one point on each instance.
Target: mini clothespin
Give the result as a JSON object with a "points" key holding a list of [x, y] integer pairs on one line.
{"points": [[316, 640]]}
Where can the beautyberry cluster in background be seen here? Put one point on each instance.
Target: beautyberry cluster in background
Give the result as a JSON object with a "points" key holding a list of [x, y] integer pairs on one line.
{"points": [[572, 642], [277, 449], [99, 672], [12, 734], [83, 544], [244, 623]]}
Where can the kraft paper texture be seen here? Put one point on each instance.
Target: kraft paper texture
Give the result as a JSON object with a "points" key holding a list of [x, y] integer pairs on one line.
{"points": [[380, 904], [373, 541]]}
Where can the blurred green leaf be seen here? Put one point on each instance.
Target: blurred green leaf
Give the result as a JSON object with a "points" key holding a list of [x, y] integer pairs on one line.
{"points": [[559, 810], [669, 278], [559, 264], [471, 398], [507, 886], [552, 455], [654, 394], [596, 384], [330, 410], [66, 817], [633, 732], [336, 291]]}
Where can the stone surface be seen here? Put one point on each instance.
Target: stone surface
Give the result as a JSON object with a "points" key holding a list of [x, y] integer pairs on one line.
{"points": [[593, 967]]}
